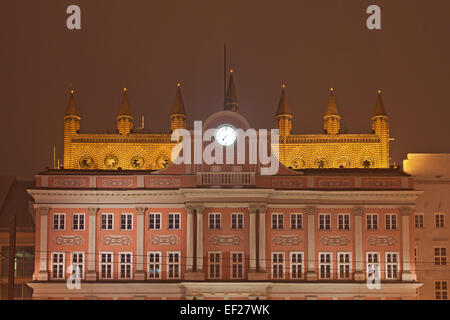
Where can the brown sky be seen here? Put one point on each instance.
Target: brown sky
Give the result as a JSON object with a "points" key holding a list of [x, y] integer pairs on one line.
{"points": [[148, 46]]}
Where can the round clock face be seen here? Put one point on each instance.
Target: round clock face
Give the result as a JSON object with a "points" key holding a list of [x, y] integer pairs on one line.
{"points": [[226, 135]]}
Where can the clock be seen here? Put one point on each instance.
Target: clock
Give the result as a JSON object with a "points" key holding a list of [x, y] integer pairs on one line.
{"points": [[226, 135]]}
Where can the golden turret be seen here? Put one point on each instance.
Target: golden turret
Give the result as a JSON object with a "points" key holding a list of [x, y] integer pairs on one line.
{"points": [[283, 116], [124, 118], [71, 127], [178, 115], [331, 118]]}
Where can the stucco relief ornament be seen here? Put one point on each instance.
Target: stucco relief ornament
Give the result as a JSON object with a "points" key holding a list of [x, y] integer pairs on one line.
{"points": [[116, 240], [68, 240], [225, 240], [382, 240], [170, 240], [286, 240], [334, 241]]}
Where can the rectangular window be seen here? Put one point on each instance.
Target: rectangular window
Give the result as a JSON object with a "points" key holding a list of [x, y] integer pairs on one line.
{"points": [[78, 221], [418, 221], [324, 221], [106, 265], [344, 221], [277, 221], [154, 221], [154, 265], [107, 221], [277, 265], [372, 222], [391, 221], [344, 265], [214, 221], [439, 220], [174, 221], [237, 265], [237, 221], [373, 264], [214, 265], [441, 290], [125, 265], [126, 221], [440, 256], [59, 221], [58, 265], [296, 221], [78, 264], [325, 265], [415, 255], [173, 265], [391, 265], [296, 265]]}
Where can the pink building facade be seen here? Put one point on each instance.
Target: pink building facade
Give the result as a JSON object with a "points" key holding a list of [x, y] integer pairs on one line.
{"points": [[225, 232]]}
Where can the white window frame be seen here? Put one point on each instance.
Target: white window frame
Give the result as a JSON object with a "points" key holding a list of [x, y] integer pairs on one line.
{"points": [[389, 265], [377, 264], [346, 224], [294, 220], [76, 264], [177, 264], [237, 264], [344, 264], [125, 264], [76, 217], [107, 214], [278, 264], [439, 224], [441, 290], [325, 264], [299, 266], [156, 275], [326, 218], [157, 217], [217, 218], [237, 216], [215, 264], [372, 215], [389, 218], [174, 219], [128, 224], [279, 223], [442, 258], [418, 220], [59, 215], [59, 264], [100, 264]]}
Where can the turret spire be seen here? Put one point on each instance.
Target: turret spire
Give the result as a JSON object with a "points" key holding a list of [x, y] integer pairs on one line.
{"points": [[283, 106], [283, 117], [124, 118], [331, 118], [125, 109], [178, 105], [231, 100], [332, 109], [379, 110], [71, 109], [178, 115]]}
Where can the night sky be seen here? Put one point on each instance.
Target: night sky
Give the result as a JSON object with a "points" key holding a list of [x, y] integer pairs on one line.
{"points": [[148, 46]]}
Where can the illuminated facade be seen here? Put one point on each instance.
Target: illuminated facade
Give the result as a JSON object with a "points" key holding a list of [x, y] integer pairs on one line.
{"points": [[224, 231], [136, 149]]}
